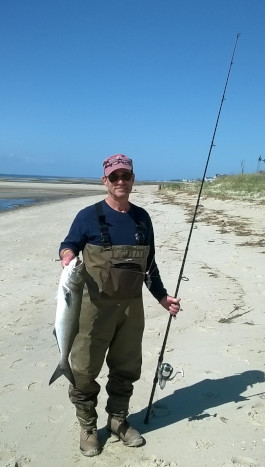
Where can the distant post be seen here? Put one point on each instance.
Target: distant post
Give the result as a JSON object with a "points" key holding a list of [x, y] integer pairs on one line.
{"points": [[259, 160]]}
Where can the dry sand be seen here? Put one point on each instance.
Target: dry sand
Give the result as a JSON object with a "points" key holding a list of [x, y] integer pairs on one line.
{"points": [[215, 414]]}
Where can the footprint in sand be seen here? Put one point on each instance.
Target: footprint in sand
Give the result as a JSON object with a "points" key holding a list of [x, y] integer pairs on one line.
{"points": [[19, 461], [4, 418], [35, 386], [16, 363], [41, 364], [243, 462], [257, 414], [7, 388], [203, 444], [28, 347], [56, 413]]}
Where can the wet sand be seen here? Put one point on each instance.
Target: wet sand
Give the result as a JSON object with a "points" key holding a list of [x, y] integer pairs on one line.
{"points": [[46, 192]]}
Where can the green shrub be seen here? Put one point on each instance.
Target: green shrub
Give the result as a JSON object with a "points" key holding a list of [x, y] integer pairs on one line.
{"points": [[244, 186]]}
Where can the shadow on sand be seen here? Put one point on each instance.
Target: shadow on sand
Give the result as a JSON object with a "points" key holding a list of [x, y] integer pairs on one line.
{"points": [[192, 402]]}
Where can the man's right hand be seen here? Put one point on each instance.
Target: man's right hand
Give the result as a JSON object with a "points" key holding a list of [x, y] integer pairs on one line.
{"points": [[66, 256]]}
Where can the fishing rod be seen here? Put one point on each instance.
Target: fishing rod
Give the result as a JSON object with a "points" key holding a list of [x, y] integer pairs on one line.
{"points": [[164, 370]]}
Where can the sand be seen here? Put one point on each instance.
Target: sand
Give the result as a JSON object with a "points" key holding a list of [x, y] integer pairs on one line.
{"points": [[214, 414]]}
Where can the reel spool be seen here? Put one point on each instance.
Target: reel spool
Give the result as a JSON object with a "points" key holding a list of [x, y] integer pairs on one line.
{"points": [[164, 373]]}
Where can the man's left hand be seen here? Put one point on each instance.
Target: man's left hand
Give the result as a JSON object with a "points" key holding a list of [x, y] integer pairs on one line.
{"points": [[171, 304]]}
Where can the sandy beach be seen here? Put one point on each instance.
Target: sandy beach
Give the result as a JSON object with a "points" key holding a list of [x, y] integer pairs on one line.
{"points": [[214, 414]]}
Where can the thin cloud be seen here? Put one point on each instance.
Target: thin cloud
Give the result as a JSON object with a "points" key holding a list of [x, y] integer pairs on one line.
{"points": [[26, 159]]}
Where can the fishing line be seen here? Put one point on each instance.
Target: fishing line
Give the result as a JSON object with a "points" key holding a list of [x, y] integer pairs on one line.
{"points": [[153, 271], [164, 370]]}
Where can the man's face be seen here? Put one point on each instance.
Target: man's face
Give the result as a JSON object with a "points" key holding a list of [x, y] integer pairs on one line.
{"points": [[119, 183]]}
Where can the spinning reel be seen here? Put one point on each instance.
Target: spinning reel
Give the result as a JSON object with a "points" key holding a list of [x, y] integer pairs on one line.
{"points": [[164, 373]]}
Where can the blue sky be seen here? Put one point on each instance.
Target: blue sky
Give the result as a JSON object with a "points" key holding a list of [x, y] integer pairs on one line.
{"points": [[84, 79]]}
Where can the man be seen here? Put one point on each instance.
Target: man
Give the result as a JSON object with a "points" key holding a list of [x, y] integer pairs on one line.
{"points": [[117, 242]]}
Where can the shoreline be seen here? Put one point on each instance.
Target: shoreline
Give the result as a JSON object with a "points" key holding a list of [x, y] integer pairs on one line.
{"points": [[43, 193]]}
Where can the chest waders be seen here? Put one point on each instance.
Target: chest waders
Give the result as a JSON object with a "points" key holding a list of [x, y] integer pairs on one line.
{"points": [[111, 322]]}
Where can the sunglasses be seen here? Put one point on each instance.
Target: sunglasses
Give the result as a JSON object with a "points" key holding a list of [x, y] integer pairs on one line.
{"points": [[116, 162], [125, 176]]}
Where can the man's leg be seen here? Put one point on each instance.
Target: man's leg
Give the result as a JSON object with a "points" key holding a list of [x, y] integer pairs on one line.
{"points": [[124, 360], [96, 329]]}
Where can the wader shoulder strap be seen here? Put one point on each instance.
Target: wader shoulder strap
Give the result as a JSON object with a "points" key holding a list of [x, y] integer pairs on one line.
{"points": [[105, 236], [140, 228], [104, 231]]}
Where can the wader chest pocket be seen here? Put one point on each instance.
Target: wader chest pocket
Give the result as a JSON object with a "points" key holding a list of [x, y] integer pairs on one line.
{"points": [[124, 280]]}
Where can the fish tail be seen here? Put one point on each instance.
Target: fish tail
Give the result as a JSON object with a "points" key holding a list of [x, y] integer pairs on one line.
{"points": [[66, 371]]}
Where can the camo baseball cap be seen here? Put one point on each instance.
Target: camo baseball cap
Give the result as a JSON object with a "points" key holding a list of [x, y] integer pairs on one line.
{"points": [[118, 161]]}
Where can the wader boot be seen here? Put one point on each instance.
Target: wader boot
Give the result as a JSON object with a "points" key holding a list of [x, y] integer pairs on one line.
{"points": [[87, 417], [89, 443], [119, 427]]}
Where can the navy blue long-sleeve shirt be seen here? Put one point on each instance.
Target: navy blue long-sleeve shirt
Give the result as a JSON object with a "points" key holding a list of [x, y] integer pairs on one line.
{"points": [[122, 229]]}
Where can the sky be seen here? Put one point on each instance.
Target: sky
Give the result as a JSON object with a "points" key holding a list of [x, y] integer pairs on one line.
{"points": [[84, 79]]}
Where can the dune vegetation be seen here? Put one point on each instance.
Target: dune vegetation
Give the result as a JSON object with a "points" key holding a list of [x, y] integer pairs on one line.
{"points": [[244, 186]]}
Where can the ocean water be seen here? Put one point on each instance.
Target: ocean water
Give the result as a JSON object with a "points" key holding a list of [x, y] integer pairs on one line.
{"points": [[9, 204], [20, 197], [46, 179]]}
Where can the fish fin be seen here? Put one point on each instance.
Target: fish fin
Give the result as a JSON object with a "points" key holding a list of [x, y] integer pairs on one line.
{"points": [[68, 299], [66, 371], [65, 289], [55, 335], [67, 296]]}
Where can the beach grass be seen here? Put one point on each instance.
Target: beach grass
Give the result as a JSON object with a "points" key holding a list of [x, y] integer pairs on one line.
{"points": [[244, 187]]}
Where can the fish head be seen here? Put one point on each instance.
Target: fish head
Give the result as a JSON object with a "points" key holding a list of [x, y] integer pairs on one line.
{"points": [[75, 273]]}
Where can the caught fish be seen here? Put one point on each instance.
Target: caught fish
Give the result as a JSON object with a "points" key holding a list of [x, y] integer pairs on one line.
{"points": [[69, 299]]}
